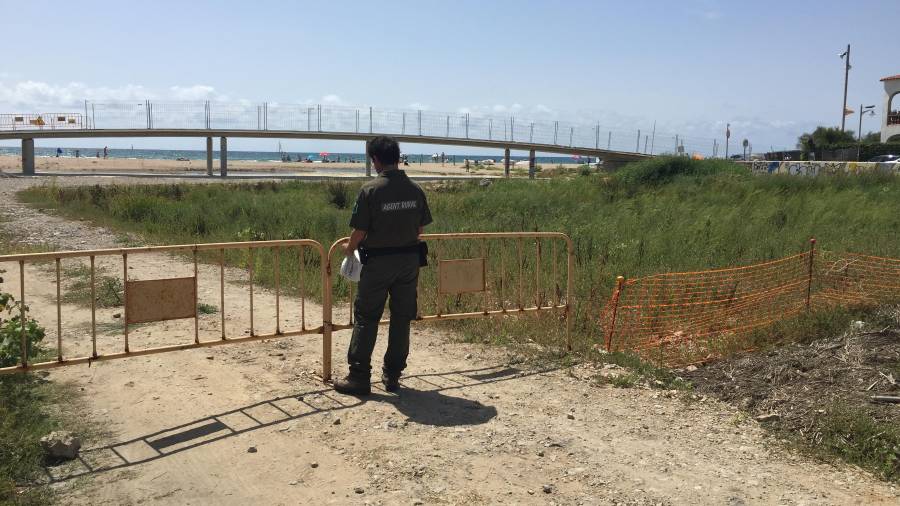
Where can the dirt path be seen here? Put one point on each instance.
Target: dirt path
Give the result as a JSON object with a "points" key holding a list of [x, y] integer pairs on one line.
{"points": [[473, 425]]}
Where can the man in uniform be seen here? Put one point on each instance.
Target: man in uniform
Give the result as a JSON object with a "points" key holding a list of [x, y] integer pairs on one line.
{"points": [[389, 215]]}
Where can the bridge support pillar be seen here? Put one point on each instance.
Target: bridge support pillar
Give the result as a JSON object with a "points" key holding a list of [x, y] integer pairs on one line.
{"points": [[209, 156], [531, 166], [368, 161], [223, 156], [28, 157], [506, 162]]}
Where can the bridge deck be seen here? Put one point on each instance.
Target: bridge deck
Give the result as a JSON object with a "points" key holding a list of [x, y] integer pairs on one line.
{"points": [[606, 155]]}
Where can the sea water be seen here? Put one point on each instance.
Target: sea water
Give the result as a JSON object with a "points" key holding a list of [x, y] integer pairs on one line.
{"points": [[260, 156]]}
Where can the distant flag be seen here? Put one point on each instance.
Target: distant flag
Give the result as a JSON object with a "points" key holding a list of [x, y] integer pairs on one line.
{"points": [[848, 111]]}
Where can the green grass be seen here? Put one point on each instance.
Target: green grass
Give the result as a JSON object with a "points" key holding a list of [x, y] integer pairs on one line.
{"points": [[108, 290], [31, 407], [22, 423], [810, 326], [855, 437], [665, 214], [639, 372], [204, 308]]}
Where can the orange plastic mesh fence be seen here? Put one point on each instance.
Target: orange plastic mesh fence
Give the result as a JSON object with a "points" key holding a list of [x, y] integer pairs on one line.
{"points": [[689, 317], [852, 278]]}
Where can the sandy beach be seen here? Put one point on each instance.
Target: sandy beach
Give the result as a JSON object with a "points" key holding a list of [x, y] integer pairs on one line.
{"points": [[11, 164]]}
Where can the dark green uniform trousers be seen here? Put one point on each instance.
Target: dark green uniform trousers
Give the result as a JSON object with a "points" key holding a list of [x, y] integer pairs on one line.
{"points": [[397, 276]]}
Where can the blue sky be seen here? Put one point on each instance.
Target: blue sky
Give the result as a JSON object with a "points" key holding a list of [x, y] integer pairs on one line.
{"points": [[769, 68]]}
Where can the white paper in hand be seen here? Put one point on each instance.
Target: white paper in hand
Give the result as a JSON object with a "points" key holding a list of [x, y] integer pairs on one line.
{"points": [[351, 267]]}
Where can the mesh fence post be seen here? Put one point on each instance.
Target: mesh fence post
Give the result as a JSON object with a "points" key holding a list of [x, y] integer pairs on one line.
{"points": [[620, 283], [812, 255]]}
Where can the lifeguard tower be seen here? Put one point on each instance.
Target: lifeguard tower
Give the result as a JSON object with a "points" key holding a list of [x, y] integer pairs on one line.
{"points": [[890, 125]]}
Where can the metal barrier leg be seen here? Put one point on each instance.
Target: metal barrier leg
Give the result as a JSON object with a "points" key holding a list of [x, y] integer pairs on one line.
{"points": [[28, 157], [326, 316]]}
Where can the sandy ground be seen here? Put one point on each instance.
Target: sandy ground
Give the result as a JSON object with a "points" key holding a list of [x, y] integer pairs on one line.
{"points": [[472, 425], [86, 165]]}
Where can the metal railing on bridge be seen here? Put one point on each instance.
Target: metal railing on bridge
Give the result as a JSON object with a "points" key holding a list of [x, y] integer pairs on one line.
{"points": [[271, 116]]}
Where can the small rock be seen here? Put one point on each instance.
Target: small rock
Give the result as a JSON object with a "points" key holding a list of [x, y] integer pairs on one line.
{"points": [[337, 421], [61, 445], [540, 453], [252, 449], [468, 356], [117, 315], [359, 490], [209, 357], [314, 465], [531, 492], [570, 416], [547, 489], [293, 483], [769, 417], [690, 368]]}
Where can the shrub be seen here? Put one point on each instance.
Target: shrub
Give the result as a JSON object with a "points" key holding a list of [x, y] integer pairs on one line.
{"points": [[11, 324]]}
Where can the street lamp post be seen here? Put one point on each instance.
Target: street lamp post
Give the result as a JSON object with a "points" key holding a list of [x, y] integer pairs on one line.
{"points": [[862, 112], [846, 57], [727, 138]]}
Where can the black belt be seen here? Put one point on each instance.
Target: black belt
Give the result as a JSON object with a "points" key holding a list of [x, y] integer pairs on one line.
{"points": [[421, 249]]}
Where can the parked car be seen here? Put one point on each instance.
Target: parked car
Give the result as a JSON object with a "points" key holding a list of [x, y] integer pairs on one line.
{"points": [[886, 158]]}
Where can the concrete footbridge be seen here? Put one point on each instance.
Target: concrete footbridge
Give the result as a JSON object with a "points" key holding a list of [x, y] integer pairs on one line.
{"points": [[222, 120]]}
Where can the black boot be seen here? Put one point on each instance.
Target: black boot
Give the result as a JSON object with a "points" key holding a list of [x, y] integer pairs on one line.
{"points": [[352, 386], [391, 383]]}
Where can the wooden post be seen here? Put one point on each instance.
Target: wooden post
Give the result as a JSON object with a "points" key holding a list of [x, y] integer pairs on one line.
{"points": [[812, 254]]}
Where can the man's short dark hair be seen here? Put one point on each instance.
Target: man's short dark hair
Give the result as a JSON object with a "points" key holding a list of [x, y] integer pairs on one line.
{"points": [[385, 149]]}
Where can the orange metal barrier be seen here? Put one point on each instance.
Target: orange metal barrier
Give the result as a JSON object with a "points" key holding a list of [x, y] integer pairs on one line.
{"points": [[690, 317], [159, 300], [502, 278], [470, 273]]}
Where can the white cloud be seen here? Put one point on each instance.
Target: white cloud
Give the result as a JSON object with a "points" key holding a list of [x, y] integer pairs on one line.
{"points": [[35, 95], [196, 92], [332, 99]]}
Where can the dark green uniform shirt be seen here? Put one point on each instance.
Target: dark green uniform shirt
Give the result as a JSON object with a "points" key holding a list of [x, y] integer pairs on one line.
{"points": [[390, 208]]}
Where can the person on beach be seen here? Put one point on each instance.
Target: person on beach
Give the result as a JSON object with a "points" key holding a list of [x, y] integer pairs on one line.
{"points": [[105, 152], [389, 216], [58, 152]]}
